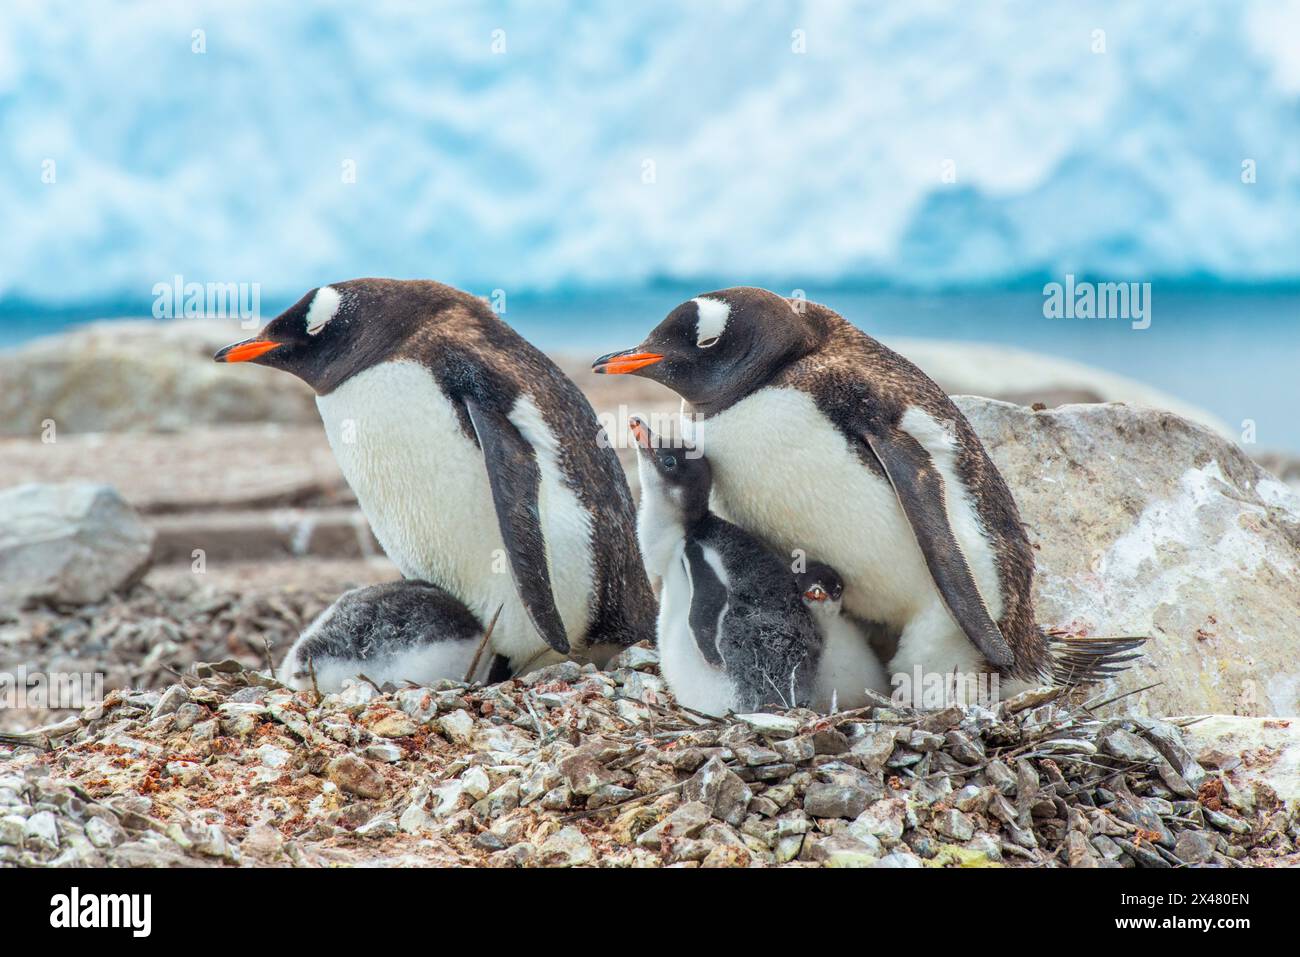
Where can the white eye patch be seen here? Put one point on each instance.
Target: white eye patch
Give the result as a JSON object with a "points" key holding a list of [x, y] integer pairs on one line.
{"points": [[324, 306], [712, 320]]}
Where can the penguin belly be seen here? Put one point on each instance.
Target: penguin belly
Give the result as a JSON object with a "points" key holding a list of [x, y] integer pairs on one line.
{"points": [[847, 666], [423, 485], [694, 681], [785, 473]]}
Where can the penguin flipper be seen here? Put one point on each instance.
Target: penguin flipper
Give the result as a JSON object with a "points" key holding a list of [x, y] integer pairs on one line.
{"points": [[919, 487], [708, 602], [515, 479]]}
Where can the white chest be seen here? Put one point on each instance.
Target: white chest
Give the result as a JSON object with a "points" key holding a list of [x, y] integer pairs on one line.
{"points": [[694, 681], [847, 666], [783, 471], [423, 486]]}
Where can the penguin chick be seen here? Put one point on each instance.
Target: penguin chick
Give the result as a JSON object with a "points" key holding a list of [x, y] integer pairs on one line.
{"points": [[849, 667], [396, 632], [733, 631]]}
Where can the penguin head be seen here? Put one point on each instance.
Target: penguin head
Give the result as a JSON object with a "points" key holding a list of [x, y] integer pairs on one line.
{"points": [[678, 473], [335, 331], [717, 348], [822, 588]]}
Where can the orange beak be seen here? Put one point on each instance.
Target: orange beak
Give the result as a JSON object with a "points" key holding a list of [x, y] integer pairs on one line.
{"points": [[621, 363], [246, 351], [640, 432]]}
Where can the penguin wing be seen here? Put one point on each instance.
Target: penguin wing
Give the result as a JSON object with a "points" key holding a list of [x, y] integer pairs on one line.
{"points": [[919, 487], [708, 602], [515, 479]]}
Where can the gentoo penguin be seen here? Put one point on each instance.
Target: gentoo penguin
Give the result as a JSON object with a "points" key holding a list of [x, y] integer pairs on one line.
{"points": [[890, 486], [733, 632], [848, 666], [479, 465], [395, 632]]}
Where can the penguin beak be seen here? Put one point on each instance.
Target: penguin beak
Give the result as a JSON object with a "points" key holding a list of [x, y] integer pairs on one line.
{"points": [[246, 351], [640, 432], [621, 363]]}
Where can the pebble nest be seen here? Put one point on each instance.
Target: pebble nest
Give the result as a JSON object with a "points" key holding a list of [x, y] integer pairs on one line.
{"points": [[573, 766]]}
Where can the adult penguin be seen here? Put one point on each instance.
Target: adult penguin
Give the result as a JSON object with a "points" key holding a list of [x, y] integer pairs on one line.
{"points": [[478, 463], [891, 485]]}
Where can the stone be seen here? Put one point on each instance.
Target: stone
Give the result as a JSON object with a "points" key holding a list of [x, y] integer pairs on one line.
{"points": [[475, 782], [1194, 847], [142, 376], [1144, 523], [567, 847], [70, 543], [954, 825], [687, 821], [1273, 747], [883, 820], [720, 789], [458, 726], [844, 850], [636, 657], [354, 776], [727, 855], [774, 726], [43, 831], [1127, 746], [898, 859], [393, 724], [834, 800]]}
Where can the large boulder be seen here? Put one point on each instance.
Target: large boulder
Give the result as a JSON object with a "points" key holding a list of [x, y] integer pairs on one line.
{"points": [[142, 376], [1255, 755], [71, 543], [1144, 523]]}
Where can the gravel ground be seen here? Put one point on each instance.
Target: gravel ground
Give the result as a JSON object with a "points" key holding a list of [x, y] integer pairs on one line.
{"points": [[571, 766]]}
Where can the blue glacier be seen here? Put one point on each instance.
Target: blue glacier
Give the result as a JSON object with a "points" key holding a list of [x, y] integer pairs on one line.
{"points": [[543, 147]]}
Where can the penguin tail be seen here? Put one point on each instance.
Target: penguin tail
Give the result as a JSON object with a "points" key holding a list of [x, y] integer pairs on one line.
{"points": [[1081, 660]]}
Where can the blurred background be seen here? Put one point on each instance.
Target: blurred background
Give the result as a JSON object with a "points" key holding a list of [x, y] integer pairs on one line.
{"points": [[925, 168]]}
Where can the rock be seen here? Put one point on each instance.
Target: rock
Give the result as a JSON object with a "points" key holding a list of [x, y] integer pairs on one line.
{"points": [[43, 831], [1194, 847], [834, 800], [954, 825], [844, 850], [567, 847], [883, 820], [458, 726], [727, 855], [393, 724], [71, 543], [687, 821], [141, 376], [475, 782], [1127, 746], [775, 726], [720, 789], [1147, 524], [898, 859], [355, 776], [1272, 746], [636, 657]]}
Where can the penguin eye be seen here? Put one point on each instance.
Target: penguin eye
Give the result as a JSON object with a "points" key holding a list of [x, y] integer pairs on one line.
{"points": [[708, 343], [670, 461], [816, 593]]}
